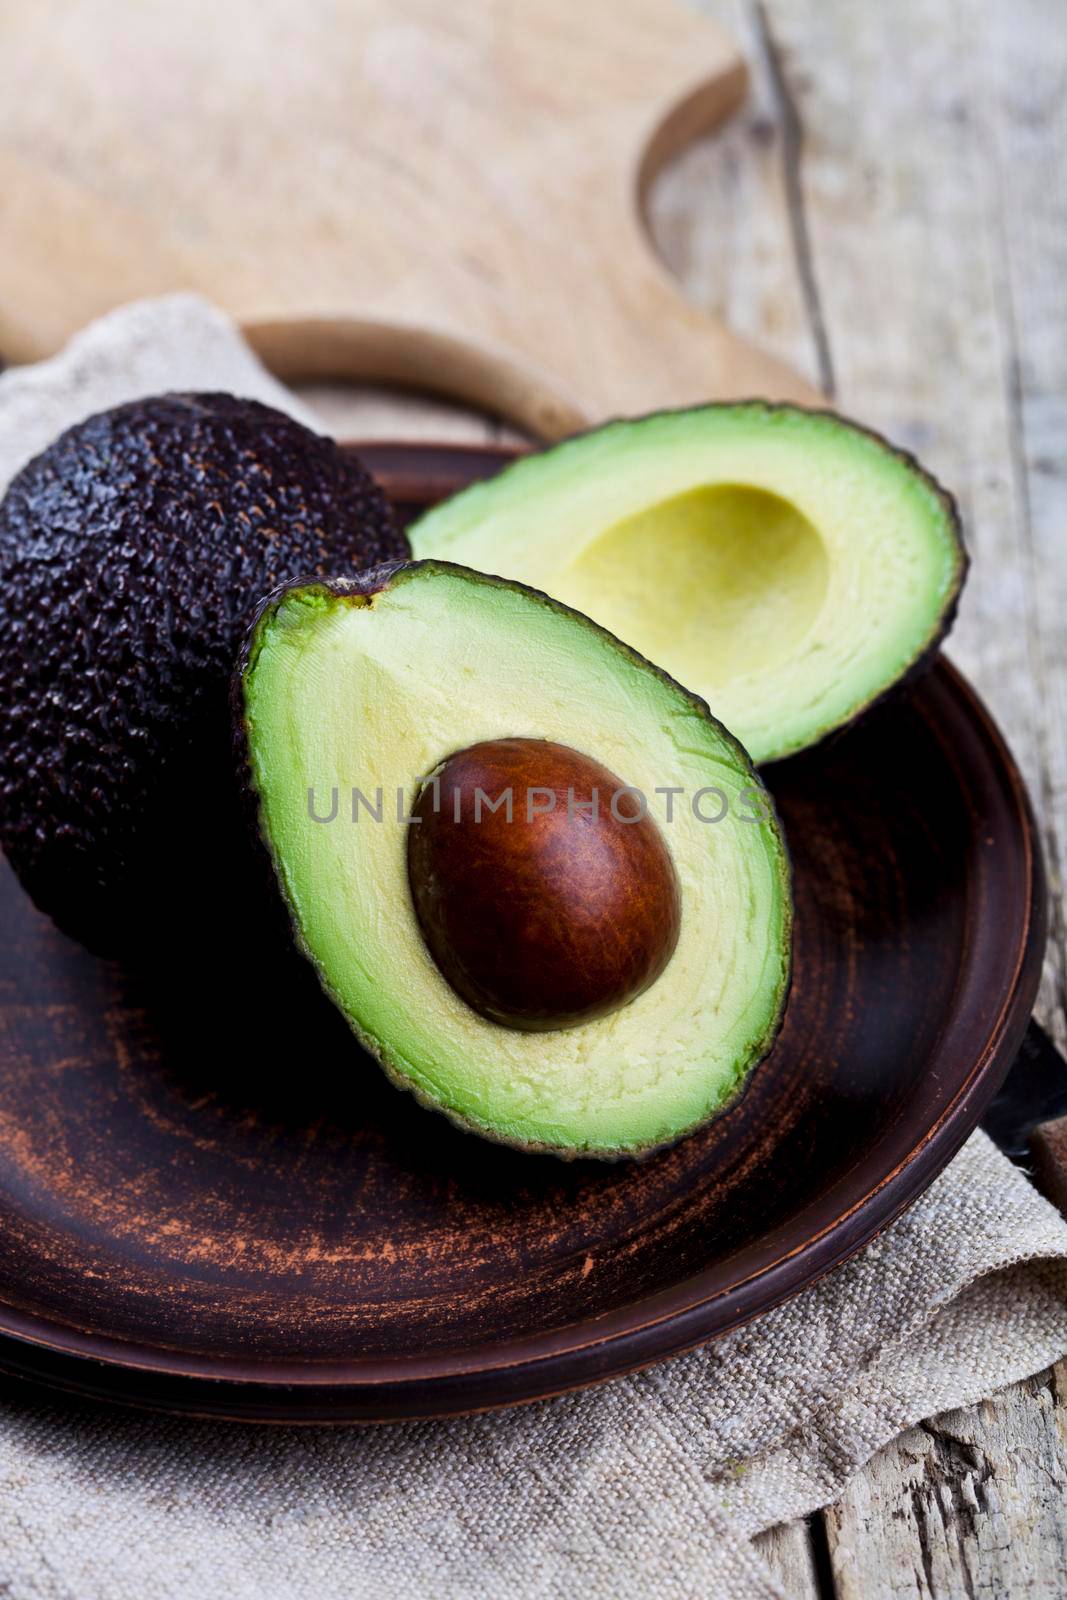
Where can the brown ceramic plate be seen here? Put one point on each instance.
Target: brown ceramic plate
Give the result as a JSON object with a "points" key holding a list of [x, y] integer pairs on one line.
{"points": [[209, 1201]]}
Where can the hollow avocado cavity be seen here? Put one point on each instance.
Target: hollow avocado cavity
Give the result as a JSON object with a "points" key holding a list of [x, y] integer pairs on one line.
{"points": [[786, 565], [743, 575]]}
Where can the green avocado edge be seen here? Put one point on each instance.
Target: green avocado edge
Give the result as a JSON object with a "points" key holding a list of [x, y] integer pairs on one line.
{"points": [[365, 585]]}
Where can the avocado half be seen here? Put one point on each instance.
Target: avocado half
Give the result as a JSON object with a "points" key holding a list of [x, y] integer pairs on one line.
{"points": [[133, 552], [368, 684], [787, 565]]}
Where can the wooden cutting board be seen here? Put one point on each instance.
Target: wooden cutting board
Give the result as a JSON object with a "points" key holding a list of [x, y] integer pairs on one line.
{"points": [[444, 195]]}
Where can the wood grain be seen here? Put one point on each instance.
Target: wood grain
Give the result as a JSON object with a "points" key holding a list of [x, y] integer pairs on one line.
{"points": [[973, 1503], [888, 215], [447, 186], [787, 1551]]}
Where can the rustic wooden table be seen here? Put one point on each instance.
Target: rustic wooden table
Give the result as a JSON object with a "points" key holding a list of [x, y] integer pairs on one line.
{"points": [[890, 215]]}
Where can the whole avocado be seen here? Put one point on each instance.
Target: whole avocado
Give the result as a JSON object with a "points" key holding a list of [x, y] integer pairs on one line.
{"points": [[133, 552]]}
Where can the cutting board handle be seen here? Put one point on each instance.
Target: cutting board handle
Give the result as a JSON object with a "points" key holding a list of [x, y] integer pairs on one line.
{"points": [[454, 198], [491, 378], [364, 350]]}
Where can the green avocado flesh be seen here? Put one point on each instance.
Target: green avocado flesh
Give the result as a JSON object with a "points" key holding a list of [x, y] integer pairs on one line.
{"points": [[784, 564], [370, 683]]}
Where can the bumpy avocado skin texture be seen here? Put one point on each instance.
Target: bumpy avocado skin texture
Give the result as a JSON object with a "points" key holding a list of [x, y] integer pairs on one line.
{"points": [[459, 528], [132, 554], [365, 586]]}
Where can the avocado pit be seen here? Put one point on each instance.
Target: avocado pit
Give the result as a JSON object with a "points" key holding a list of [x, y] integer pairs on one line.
{"points": [[544, 891]]}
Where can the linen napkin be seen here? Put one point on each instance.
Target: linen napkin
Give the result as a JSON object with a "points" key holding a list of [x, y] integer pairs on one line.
{"points": [[651, 1485]]}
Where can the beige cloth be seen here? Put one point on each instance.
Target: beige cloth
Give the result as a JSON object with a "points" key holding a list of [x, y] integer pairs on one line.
{"points": [[175, 342], [651, 1485]]}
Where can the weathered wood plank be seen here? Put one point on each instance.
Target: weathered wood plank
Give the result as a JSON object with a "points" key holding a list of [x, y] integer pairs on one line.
{"points": [[971, 1504], [894, 198], [788, 1552], [1023, 86], [720, 215]]}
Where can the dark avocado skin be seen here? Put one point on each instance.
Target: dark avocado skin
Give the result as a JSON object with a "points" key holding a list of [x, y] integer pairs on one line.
{"points": [[133, 552]]}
